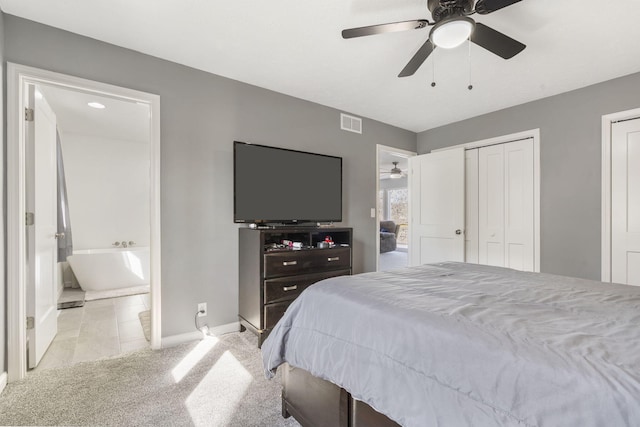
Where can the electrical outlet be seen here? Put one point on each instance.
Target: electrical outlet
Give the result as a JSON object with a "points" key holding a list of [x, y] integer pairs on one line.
{"points": [[202, 309]]}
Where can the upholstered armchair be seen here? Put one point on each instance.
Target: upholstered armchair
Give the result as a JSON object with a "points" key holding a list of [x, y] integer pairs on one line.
{"points": [[388, 233]]}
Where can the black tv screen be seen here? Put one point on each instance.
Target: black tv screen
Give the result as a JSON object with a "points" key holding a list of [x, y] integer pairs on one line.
{"points": [[276, 185]]}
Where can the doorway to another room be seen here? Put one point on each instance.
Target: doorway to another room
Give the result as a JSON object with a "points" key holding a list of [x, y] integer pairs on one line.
{"points": [[84, 156], [102, 269], [393, 207]]}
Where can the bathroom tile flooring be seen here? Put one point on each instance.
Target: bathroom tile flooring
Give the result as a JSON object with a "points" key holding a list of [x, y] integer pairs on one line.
{"points": [[102, 328]]}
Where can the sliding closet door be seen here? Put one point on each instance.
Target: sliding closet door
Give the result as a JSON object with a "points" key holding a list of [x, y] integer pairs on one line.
{"points": [[471, 206], [505, 205], [518, 205], [491, 205]]}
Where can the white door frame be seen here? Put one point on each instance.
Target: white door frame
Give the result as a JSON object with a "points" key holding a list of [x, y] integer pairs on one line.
{"points": [[527, 134], [607, 123], [18, 76], [404, 153]]}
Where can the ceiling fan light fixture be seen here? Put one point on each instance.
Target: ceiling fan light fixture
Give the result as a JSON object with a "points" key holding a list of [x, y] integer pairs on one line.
{"points": [[395, 172], [452, 32]]}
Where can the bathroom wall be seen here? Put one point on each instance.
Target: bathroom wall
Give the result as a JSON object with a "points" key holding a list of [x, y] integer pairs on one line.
{"points": [[108, 190]]}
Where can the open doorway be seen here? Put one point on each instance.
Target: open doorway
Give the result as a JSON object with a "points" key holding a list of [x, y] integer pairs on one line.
{"points": [[392, 213], [102, 271], [33, 291]]}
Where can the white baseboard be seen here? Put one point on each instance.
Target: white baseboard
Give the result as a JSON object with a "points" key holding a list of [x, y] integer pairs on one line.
{"points": [[174, 340], [3, 381], [225, 329]]}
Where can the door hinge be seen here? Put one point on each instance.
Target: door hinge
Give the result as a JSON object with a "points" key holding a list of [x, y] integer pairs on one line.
{"points": [[29, 218], [30, 322], [28, 114]]}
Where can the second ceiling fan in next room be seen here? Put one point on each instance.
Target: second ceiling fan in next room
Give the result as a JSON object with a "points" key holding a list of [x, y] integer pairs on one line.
{"points": [[452, 25]]}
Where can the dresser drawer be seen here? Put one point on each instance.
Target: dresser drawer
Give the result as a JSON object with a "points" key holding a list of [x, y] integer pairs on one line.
{"points": [[273, 313], [289, 287], [305, 261]]}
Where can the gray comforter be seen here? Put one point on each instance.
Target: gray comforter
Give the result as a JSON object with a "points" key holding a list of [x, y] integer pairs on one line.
{"points": [[457, 344]]}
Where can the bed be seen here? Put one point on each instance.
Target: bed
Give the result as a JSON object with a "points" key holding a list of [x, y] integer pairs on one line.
{"points": [[457, 344]]}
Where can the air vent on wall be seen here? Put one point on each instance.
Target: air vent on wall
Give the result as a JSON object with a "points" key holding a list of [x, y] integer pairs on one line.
{"points": [[350, 123]]}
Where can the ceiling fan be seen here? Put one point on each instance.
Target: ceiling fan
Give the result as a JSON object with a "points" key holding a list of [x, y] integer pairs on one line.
{"points": [[394, 173], [451, 27]]}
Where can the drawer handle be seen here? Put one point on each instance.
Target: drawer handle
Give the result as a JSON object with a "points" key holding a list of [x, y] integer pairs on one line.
{"points": [[335, 258], [289, 288], [289, 263]]}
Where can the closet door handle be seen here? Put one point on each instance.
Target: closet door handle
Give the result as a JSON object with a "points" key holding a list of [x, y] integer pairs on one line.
{"points": [[335, 258], [285, 263], [289, 288], [458, 231]]}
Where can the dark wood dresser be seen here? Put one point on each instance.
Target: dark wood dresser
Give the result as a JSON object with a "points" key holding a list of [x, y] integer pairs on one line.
{"points": [[272, 274]]}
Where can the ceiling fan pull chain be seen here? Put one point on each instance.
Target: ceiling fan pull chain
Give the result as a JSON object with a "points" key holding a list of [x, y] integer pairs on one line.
{"points": [[470, 85], [433, 71]]}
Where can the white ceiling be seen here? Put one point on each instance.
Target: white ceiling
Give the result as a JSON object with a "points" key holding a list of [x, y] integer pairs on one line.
{"points": [[120, 119], [295, 47], [386, 159]]}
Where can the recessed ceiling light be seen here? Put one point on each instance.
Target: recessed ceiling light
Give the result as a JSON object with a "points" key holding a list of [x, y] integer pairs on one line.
{"points": [[96, 105]]}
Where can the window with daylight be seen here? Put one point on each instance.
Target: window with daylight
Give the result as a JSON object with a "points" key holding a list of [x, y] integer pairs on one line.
{"points": [[398, 199]]}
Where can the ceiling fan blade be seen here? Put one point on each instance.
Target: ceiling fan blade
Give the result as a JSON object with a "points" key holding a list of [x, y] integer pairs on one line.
{"points": [[496, 42], [384, 28], [421, 55], [484, 7]]}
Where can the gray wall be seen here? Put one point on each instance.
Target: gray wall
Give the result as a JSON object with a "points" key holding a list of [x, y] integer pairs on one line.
{"points": [[3, 223], [570, 150], [386, 184], [201, 115]]}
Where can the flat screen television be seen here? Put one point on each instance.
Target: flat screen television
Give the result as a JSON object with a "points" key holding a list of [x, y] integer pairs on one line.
{"points": [[280, 186]]}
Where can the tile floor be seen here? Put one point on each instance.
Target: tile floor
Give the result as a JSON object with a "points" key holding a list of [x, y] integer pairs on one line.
{"points": [[102, 328]]}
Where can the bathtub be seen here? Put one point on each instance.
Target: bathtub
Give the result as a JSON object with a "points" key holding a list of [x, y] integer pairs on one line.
{"points": [[107, 269]]}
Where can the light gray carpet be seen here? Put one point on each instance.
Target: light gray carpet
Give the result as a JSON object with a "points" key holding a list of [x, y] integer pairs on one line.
{"points": [[204, 383], [392, 260]]}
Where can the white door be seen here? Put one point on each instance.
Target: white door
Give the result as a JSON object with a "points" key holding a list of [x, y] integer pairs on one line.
{"points": [[518, 206], [41, 236], [625, 202], [436, 205], [491, 205], [506, 205], [471, 206]]}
